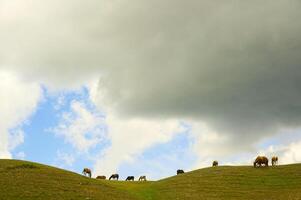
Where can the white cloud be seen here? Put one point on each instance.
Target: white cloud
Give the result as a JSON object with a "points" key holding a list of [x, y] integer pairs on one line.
{"points": [[64, 159], [285, 145], [82, 127], [60, 102], [20, 155], [291, 154], [18, 100], [130, 138], [16, 138], [287, 150]]}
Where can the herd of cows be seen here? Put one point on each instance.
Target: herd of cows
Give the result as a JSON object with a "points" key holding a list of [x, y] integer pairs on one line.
{"points": [[259, 162]]}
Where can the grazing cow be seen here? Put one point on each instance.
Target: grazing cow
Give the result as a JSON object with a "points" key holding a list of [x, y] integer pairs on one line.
{"points": [[130, 178], [215, 164], [142, 178], [87, 171], [261, 160], [101, 177], [180, 171], [114, 176], [274, 160]]}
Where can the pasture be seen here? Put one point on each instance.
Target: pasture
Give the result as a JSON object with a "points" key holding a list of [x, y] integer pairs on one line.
{"points": [[26, 180]]}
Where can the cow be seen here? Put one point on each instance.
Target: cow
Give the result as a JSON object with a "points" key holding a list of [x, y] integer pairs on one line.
{"points": [[101, 177], [114, 176], [274, 160], [87, 171], [214, 163], [261, 160], [130, 178], [142, 178], [180, 171]]}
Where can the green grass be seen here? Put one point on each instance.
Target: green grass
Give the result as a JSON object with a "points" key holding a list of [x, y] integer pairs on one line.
{"points": [[25, 180]]}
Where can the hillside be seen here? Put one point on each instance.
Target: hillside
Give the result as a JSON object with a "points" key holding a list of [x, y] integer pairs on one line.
{"points": [[22, 180], [26, 180]]}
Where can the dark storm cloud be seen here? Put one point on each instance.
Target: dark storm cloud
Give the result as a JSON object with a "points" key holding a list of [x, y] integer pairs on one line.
{"points": [[233, 64]]}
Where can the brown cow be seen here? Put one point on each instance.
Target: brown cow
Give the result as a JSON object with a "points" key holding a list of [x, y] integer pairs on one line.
{"points": [[274, 160], [261, 160], [87, 171], [215, 164], [142, 178], [101, 177]]}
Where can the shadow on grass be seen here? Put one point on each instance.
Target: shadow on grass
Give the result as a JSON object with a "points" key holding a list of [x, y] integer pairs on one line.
{"points": [[23, 166]]}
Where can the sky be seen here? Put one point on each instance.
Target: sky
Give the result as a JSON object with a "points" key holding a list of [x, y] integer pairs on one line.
{"points": [[149, 87]]}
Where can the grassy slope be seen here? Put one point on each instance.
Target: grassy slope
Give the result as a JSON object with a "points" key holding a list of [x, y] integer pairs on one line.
{"points": [[24, 180], [282, 182]]}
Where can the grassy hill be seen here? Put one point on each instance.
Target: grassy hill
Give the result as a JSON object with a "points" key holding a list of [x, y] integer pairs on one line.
{"points": [[23, 180]]}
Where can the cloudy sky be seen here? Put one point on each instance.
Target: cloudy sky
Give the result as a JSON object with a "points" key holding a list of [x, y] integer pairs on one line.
{"points": [[147, 87]]}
